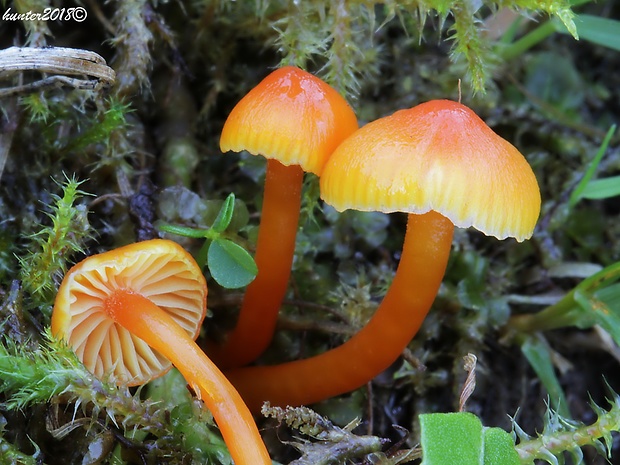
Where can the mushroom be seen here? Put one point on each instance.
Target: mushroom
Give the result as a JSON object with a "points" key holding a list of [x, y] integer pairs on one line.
{"points": [[295, 120], [133, 312], [440, 163]]}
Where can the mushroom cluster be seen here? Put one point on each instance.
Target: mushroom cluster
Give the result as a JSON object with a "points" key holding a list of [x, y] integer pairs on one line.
{"points": [[132, 313], [441, 164]]}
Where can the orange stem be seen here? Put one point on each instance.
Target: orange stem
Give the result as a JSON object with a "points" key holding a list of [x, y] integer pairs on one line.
{"points": [[376, 346], [146, 320], [274, 257]]}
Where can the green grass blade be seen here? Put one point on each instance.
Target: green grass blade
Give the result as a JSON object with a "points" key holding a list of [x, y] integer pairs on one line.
{"points": [[600, 31], [576, 195], [538, 354], [602, 188]]}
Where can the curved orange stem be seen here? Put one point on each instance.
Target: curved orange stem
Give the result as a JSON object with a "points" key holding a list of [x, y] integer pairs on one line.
{"points": [[376, 346], [274, 257], [146, 320]]}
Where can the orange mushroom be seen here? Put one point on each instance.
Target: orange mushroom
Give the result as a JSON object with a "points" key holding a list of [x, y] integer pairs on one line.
{"points": [[295, 120], [440, 163], [132, 312]]}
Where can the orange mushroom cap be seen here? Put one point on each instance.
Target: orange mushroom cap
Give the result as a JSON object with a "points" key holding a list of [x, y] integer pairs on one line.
{"points": [[436, 156], [160, 270], [291, 116]]}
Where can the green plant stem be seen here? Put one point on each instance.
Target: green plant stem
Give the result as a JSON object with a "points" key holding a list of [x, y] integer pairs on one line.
{"points": [[526, 42], [195, 233], [557, 442], [577, 193], [555, 316], [567, 311]]}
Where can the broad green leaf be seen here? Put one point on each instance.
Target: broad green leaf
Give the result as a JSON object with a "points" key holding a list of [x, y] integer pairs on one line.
{"points": [[499, 448], [538, 354], [600, 31], [230, 265], [225, 215], [451, 438], [602, 188], [460, 438]]}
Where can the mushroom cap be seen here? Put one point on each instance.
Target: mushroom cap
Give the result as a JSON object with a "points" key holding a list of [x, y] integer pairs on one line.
{"points": [[436, 156], [291, 116], [159, 270]]}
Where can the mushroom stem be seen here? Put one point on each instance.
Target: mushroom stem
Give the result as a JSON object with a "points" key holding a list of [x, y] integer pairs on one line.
{"points": [[376, 346], [274, 257], [155, 327]]}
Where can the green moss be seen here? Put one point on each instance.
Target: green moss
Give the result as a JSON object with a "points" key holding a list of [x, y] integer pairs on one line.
{"points": [[51, 248]]}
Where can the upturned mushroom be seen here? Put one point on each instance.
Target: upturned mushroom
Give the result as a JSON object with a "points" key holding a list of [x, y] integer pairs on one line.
{"points": [[295, 120], [441, 164], [133, 312]]}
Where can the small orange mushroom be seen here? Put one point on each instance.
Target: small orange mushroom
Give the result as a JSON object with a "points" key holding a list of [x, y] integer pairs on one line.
{"points": [[295, 120], [440, 163], [133, 312]]}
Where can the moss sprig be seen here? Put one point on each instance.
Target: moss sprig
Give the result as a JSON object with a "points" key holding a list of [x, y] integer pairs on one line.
{"points": [[558, 8], [37, 108], [53, 245], [110, 119], [53, 370], [132, 40], [333, 444], [11, 454], [340, 34], [37, 30], [562, 435], [470, 44], [336, 35], [300, 33]]}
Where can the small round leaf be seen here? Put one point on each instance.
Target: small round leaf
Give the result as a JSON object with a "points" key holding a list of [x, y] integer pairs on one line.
{"points": [[230, 265]]}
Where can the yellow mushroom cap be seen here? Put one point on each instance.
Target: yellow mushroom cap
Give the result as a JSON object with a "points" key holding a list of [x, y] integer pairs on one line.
{"points": [[159, 270], [291, 116], [435, 156]]}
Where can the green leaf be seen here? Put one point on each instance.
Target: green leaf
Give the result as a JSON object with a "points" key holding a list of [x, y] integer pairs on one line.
{"points": [[602, 188], [595, 300], [600, 31], [184, 231], [460, 438], [499, 448], [225, 215], [598, 299], [230, 265], [577, 193], [450, 438], [538, 354]]}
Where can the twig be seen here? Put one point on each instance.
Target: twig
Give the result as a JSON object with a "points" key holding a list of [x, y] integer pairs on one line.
{"points": [[58, 61]]}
